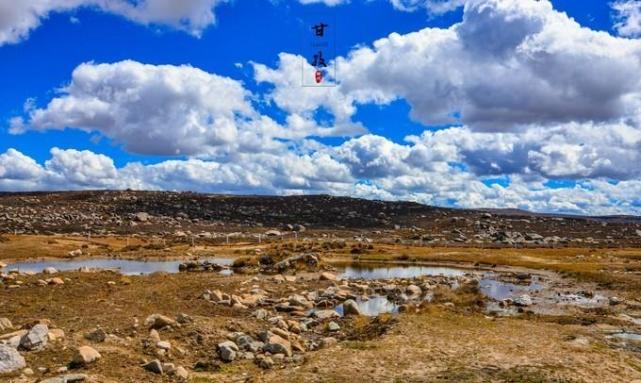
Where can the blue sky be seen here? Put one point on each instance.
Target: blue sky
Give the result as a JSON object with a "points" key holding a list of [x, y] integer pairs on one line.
{"points": [[380, 133]]}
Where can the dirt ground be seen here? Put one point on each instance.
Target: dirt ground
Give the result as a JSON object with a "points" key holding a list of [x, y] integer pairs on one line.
{"points": [[448, 340]]}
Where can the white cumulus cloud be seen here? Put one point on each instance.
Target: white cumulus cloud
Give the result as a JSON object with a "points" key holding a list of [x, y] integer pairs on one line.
{"points": [[19, 17], [628, 17]]}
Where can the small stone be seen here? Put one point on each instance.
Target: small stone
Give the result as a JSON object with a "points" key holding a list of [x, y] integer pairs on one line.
{"points": [[97, 336], [260, 314], [350, 307], [413, 290], [163, 345], [614, 301], [154, 336], [181, 373], [50, 270], [227, 351], [10, 360], [333, 326], [74, 253], [85, 355], [168, 368], [141, 217], [73, 378], [325, 276], [277, 345], [523, 301], [56, 281], [158, 321], [56, 335], [184, 319], [70, 378], [28, 372], [265, 362], [154, 366], [324, 314]]}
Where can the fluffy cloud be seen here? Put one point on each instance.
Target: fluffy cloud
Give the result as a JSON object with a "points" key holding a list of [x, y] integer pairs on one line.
{"points": [[539, 66], [150, 109], [317, 173], [628, 17], [173, 110], [19, 18], [535, 97]]}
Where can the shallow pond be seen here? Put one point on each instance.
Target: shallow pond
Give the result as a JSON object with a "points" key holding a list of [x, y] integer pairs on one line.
{"points": [[124, 266], [391, 272], [373, 306], [492, 287]]}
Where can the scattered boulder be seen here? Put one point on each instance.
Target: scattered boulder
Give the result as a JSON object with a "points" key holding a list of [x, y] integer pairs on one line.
{"points": [[326, 276], [164, 345], [97, 336], [413, 290], [184, 318], [324, 314], [523, 301], [141, 217], [56, 335], [74, 253], [36, 338], [277, 345], [158, 321], [227, 351], [304, 260], [10, 360], [50, 270], [350, 307], [154, 366], [55, 281], [69, 378], [181, 373], [84, 356], [265, 362]]}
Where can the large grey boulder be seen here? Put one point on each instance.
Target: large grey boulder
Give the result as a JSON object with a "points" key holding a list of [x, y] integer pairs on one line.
{"points": [[227, 351], [36, 338], [10, 360]]}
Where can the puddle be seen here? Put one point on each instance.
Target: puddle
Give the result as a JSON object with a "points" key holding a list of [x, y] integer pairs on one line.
{"points": [[391, 272], [581, 300], [124, 266], [499, 290], [373, 306], [627, 336]]}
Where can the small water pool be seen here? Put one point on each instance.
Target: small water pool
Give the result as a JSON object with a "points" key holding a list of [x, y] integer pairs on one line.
{"points": [[392, 272], [124, 266]]}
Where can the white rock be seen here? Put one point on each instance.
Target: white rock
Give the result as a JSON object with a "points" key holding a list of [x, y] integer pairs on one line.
{"points": [[10, 360]]}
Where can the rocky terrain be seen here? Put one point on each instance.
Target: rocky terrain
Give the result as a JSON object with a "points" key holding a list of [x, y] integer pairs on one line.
{"points": [[216, 216], [110, 287]]}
